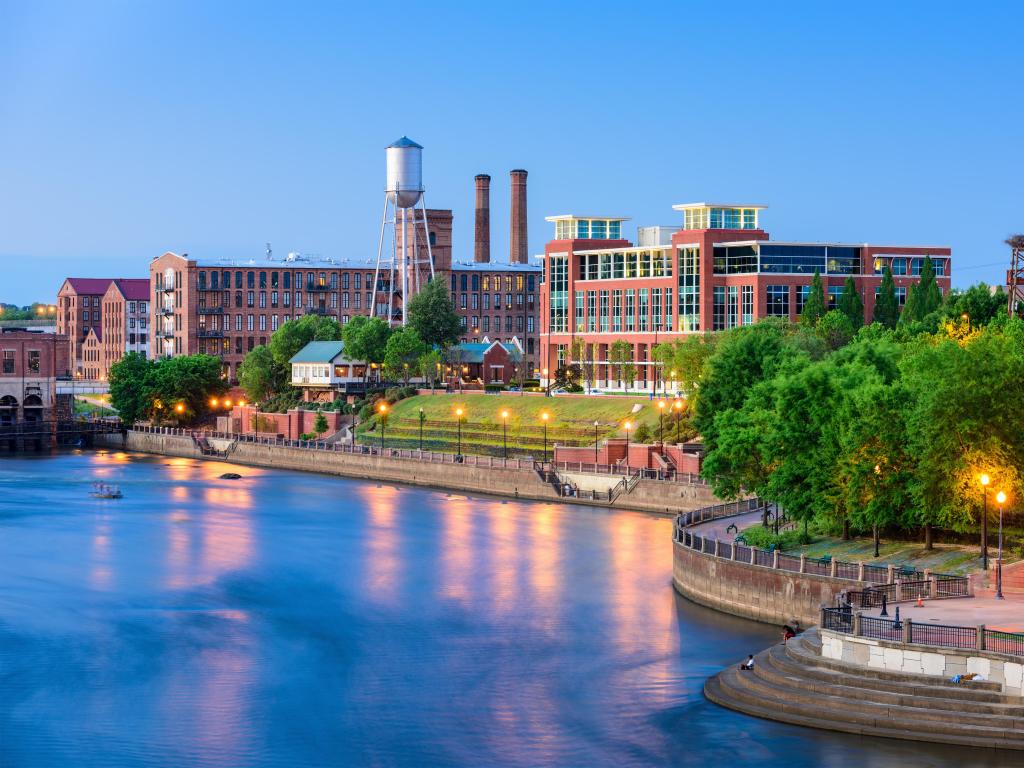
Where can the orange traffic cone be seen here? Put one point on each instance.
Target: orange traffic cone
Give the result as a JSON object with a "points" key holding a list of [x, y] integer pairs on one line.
{"points": [[920, 602]]}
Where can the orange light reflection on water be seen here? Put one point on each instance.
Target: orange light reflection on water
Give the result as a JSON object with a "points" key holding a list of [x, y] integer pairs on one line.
{"points": [[457, 548], [383, 561]]}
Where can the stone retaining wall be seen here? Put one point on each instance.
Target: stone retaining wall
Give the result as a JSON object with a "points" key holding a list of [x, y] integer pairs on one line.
{"points": [[1007, 671], [647, 496], [753, 591]]}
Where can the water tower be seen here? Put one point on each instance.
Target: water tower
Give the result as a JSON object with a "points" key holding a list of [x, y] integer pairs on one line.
{"points": [[404, 189]]}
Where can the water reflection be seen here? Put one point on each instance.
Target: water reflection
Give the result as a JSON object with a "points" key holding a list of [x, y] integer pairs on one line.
{"points": [[296, 620]]}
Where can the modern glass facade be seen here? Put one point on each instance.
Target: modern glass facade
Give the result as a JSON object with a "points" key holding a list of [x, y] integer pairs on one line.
{"points": [[689, 289], [558, 294], [588, 229], [624, 266], [720, 218], [777, 300]]}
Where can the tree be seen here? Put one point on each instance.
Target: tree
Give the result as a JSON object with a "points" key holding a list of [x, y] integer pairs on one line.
{"points": [[260, 375], [190, 381], [568, 377], [320, 424], [295, 334], [664, 356], [581, 354], [929, 295], [691, 354], [433, 315], [814, 307], [402, 353], [620, 354], [887, 308], [835, 329], [132, 387], [977, 305], [428, 364], [365, 340], [850, 303]]}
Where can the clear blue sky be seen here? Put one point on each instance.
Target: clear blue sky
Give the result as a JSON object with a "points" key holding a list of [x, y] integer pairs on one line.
{"points": [[128, 129]]}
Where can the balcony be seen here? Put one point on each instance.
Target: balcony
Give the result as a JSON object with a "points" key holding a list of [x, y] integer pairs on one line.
{"points": [[318, 311], [167, 288], [210, 334], [311, 287], [211, 310], [166, 311], [166, 334]]}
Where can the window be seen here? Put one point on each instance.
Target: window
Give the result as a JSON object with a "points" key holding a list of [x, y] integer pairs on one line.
{"points": [[718, 309], [591, 311], [733, 308], [777, 300], [644, 310], [33, 361], [603, 311], [250, 279], [345, 281], [834, 292], [915, 267], [558, 296], [940, 267], [263, 322], [899, 266], [249, 322], [689, 288], [747, 309], [802, 292], [901, 296], [630, 309], [580, 313], [8, 361], [617, 311]]}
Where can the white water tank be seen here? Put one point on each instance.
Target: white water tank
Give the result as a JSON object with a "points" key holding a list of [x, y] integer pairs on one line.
{"points": [[405, 172]]}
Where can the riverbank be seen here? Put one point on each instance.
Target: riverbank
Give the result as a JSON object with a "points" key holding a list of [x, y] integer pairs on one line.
{"points": [[487, 477]]}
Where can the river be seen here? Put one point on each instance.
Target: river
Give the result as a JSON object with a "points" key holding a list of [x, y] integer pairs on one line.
{"points": [[290, 619]]}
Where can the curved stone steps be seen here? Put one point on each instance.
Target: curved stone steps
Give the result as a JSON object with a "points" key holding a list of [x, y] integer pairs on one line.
{"points": [[892, 693], [793, 684], [923, 685], [717, 690], [876, 705]]}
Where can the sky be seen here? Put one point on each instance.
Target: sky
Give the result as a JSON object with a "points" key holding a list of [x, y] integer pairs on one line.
{"points": [[128, 129]]}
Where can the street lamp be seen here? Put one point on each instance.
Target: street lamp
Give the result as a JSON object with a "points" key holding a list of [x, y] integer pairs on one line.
{"points": [[661, 421], [423, 417], [984, 480], [504, 433], [458, 416], [1001, 498], [382, 409], [627, 426], [544, 416], [547, 385], [595, 444]]}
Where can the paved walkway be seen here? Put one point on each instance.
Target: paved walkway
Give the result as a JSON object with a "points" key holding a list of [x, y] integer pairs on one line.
{"points": [[716, 528], [983, 608]]}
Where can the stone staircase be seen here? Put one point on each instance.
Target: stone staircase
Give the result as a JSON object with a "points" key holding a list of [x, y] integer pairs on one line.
{"points": [[793, 684]]}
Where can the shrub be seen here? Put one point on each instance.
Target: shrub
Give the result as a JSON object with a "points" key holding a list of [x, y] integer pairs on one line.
{"points": [[494, 387], [642, 434], [765, 538]]}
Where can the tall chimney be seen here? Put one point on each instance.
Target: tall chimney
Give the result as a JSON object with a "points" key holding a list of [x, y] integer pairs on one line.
{"points": [[518, 246], [482, 237]]}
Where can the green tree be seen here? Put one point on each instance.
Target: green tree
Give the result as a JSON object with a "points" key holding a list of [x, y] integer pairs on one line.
{"points": [[814, 307], [132, 387], [835, 329], [664, 356], [190, 381], [887, 308], [260, 375], [295, 334], [582, 354], [620, 355], [978, 305], [850, 303], [691, 354], [365, 340], [428, 365], [320, 424], [402, 353], [433, 315]]}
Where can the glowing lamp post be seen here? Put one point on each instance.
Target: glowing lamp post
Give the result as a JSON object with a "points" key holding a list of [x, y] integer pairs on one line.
{"points": [[1001, 498], [504, 434], [459, 412], [544, 416], [382, 409], [423, 417], [677, 406], [661, 421], [595, 444], [984, 480]]}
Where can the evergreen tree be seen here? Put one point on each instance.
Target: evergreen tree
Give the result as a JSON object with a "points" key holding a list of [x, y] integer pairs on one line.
{"points": [[929, 297], [850, 303], [814, 308], [887, 309]]}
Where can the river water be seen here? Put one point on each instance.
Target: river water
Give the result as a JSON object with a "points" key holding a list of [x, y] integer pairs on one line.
{"points": [[290, 619]]}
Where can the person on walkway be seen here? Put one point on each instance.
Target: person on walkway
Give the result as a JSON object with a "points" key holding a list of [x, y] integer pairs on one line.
{"points": [[747, 665], [787, 633]]}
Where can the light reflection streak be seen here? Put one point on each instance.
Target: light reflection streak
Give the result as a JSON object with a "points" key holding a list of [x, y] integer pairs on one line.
{"points": [[383, 564], [457, 549]]}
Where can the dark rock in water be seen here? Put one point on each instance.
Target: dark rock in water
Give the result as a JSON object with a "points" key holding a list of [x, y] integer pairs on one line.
{"points": [[231, 476]]}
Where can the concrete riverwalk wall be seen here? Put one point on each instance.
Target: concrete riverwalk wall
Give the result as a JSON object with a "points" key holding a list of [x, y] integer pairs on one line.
{"points": [[646, 496], [753, 591]]}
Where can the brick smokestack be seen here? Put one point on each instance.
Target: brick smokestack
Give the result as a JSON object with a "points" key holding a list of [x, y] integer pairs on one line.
{"points": [[482, 234], [518, 246]]}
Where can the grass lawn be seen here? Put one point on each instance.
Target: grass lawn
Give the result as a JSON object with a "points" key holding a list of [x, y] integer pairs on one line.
{"points": [[96, 405], [571, 421], [944, 558]]}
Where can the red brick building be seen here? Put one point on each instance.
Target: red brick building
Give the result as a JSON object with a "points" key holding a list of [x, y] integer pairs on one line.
{"points": [[102, 319], [718, 270], [30, 362]]}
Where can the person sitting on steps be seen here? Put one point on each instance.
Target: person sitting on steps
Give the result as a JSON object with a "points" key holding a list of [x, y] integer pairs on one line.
{"points": [[747, 665]]}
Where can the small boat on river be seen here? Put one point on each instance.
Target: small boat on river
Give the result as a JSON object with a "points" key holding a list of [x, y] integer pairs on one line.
{"points": [[104, 491]]}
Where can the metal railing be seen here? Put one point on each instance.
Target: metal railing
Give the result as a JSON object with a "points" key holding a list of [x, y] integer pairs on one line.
{"points": [[909, 632]]}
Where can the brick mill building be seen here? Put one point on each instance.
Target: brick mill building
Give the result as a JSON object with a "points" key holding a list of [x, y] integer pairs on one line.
{"points": [[228, 307], [30, 362], [102, 319], [718, 270]]}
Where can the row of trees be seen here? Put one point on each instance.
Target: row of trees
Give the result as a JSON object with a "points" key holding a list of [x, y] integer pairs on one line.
{"points": [[890, 428], [178, 389]]}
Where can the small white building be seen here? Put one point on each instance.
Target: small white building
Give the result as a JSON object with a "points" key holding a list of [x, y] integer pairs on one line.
{"points": [[323, 372]]}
